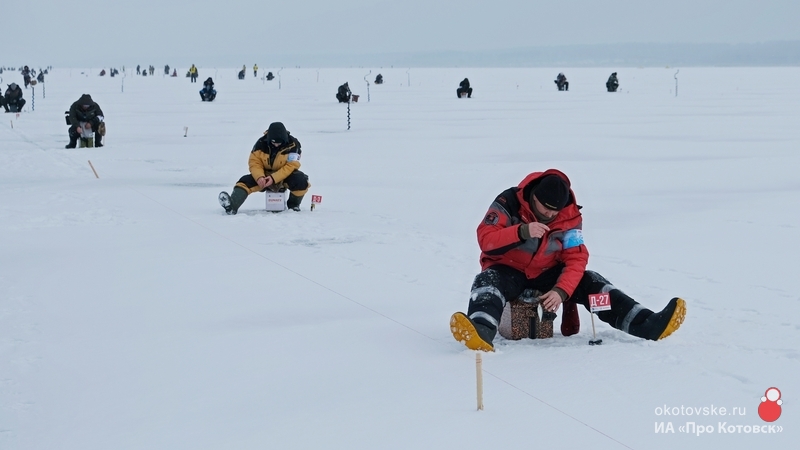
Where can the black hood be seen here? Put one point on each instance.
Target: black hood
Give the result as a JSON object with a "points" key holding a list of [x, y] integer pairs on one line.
{"points": [[278, 132], [85, 99]]}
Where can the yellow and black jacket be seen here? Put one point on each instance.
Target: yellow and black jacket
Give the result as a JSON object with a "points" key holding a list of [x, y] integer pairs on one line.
{"points": [[280, 162]]}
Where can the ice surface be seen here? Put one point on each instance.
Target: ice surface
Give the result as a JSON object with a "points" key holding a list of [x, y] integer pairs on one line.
{"points": [[135, 314]]}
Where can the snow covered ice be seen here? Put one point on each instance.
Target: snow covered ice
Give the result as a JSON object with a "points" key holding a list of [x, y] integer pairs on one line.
{"points": [[135, 314]]}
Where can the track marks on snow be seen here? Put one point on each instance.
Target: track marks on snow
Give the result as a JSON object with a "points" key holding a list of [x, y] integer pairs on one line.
{"points": [[324, 241]]}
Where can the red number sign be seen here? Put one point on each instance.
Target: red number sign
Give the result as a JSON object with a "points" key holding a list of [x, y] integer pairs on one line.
{"points": [[316, 199], [599, 302]]}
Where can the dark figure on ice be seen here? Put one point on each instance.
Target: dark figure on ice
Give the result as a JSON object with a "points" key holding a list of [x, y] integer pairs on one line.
{"points": [[166, 69], [138, 70], [344, 94], [270, 76], [531, 239], [379, 79], [193, 73], [241, 73], [40, 77], [613, 83], [208, 94], [255, 70], [274, 165], [464, 89], [12, 101], [174, 73], [85, 118], [561, 82], [103, 73], [26, 76]]}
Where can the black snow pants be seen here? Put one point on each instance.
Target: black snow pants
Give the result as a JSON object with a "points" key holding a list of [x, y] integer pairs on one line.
{"points": [[499, 284]]}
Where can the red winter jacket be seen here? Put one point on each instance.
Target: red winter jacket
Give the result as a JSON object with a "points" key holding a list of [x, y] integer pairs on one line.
{"points": [[501, 242]]}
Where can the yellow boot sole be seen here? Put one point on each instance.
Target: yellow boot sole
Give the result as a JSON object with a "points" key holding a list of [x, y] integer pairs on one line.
{"points": [[676, 320], [464, 332]]}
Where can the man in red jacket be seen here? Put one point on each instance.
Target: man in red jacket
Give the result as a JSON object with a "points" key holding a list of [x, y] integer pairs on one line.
{"points": [[531, 239]]}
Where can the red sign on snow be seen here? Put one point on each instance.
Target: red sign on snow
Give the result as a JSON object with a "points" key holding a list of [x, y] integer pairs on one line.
{"points": [[599, 302], [316, 199]]}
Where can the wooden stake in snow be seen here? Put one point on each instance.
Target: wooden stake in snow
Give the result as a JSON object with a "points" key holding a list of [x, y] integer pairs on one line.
{"points": [[185, 131], [95, 172], [479, 379], [12, 124], [365, 79]]}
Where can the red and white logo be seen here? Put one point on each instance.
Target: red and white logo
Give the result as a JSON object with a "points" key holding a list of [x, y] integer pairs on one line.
{"points": [[316, 199], [770, 407]]}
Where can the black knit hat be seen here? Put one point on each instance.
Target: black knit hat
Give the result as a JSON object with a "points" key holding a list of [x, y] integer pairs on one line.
{"points": [[277, 132], [552, 192]]}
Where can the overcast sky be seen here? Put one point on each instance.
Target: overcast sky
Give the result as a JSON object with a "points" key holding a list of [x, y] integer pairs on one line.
{"points": [[180, 32]]}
